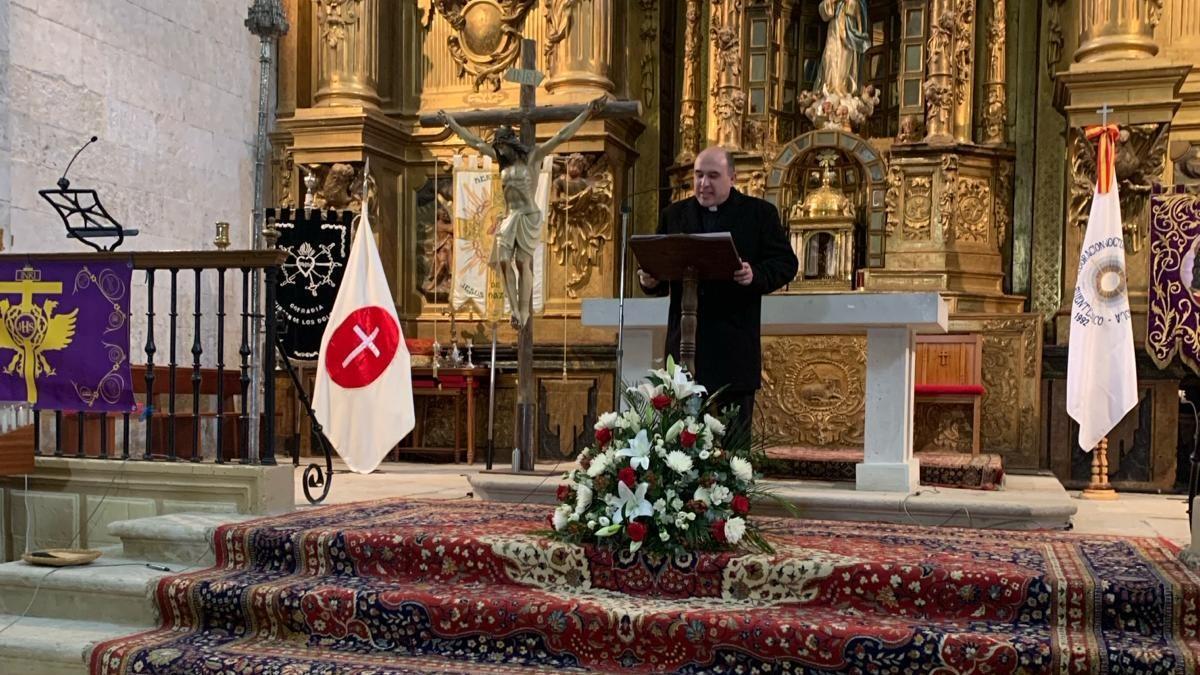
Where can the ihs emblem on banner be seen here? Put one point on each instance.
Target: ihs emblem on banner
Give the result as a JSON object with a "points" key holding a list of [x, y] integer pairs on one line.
{"points": [[30, 330]]}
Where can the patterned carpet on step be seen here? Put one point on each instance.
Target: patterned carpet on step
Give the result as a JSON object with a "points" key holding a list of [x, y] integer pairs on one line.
{"points": [[401, 586]]}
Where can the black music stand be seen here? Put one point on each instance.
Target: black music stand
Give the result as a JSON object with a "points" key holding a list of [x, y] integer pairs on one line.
{"points": [[85, 204]]}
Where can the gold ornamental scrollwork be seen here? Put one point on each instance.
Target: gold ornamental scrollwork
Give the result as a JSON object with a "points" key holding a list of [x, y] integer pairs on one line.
{"points": [[488, 37], [689, 113], [891, 198], [941, 428], [1011, 377], [814, 389], [995, 106], [1004, 201], [948, 199], [333, 16], [973, 220], [917, 207], [581, 216], [649, 35], [558, 26]]}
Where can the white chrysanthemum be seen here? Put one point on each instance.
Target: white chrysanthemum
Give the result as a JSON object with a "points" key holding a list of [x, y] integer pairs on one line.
{"points": [[719, 494], [660, 506], [629, 419], [714, 425], [679, 462], [583, 494], [559, 519], [600, 464], [607, 421], [734, 529], [741, 469]]}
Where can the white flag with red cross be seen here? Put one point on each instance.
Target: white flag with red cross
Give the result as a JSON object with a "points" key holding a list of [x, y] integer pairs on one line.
{"points": [[363, 394]]}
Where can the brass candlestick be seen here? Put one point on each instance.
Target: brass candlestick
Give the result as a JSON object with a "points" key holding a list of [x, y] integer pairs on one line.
{"points": [[221, 241]]}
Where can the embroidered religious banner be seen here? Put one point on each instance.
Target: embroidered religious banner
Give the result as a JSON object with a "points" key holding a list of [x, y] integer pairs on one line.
{"points": [[478, 213], [64, 335], [317, 245], [1174, 294]]}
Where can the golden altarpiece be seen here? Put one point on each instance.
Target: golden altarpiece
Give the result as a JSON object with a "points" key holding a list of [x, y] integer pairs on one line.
{"points": [[909, 145]]}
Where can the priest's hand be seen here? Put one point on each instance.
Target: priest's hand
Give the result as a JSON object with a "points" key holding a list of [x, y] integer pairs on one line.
{"points": [[745, 275], [648, 282]]}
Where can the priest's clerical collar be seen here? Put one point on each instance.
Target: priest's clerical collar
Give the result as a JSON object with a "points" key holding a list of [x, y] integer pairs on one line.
{"points": [[713, 209]]}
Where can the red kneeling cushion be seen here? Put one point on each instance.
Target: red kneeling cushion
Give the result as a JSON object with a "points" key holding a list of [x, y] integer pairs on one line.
{"points": [[949, 390]]}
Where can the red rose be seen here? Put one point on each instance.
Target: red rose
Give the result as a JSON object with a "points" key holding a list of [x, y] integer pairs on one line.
{"points": [[564, 491], [740, 505], [687, 438], [627, 476], [661, 401], [718, 531], [636, 531], [603, 436]]}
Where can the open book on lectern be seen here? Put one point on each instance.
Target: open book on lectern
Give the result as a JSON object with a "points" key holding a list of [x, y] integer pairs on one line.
{"points": [[668, 257]]}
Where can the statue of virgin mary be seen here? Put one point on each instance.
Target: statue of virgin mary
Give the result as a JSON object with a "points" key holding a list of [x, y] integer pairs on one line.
{"points": [[847, 38]]}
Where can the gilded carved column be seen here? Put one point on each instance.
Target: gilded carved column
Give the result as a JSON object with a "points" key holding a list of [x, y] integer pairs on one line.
{"points": [[347, 35], [578, 49], [689, 123], [995, 108], [1117, 29], [939, 77], [728, 95], [964, 71]]}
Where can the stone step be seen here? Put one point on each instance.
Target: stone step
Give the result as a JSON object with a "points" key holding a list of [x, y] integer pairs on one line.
{"points": [[178, 538], [43, 646], [111, 590], [1025, 503]]}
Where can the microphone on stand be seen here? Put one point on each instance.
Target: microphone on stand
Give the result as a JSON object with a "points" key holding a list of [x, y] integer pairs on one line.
{"points": [[63, 183], [626, 211]]}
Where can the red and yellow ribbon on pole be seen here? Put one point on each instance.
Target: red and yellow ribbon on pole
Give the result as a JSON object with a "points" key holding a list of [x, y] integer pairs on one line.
{"points": [[1106, 154]]}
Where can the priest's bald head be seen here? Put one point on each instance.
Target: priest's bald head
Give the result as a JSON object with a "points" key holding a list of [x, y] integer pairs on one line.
{"points": [[713, 176]]}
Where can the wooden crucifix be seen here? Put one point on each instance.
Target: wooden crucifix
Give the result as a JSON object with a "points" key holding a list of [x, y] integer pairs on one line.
{"points": [[517, 237]]}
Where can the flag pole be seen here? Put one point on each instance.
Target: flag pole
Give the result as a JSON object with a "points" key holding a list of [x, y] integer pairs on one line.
{"points": [[1099, 488]]}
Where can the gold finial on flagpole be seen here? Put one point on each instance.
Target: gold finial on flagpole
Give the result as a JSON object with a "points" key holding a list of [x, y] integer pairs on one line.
{"points": [[221, 241]]}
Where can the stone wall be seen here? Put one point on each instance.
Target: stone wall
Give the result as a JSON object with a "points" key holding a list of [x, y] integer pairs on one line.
{"points": [[171, 90], [5, 150]]}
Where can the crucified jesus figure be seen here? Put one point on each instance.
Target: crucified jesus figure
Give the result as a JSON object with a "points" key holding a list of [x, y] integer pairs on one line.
{"points": [[520, 171]]}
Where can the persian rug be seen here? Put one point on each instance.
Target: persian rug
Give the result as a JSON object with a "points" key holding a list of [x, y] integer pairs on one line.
{"points": [[943, 469], [403, 586]]}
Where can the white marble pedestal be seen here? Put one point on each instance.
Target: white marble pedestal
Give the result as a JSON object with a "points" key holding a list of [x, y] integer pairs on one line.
{"points": [[891, 322]]}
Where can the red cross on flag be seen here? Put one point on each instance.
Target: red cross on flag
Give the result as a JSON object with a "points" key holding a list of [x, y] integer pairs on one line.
{"points": [[363, 394]]}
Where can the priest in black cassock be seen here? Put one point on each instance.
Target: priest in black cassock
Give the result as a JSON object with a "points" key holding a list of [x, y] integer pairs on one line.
{"points": [[728, 314]]}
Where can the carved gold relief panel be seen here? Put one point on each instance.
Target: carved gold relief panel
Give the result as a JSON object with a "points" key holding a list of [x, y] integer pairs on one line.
{"points": [[579, 228], [1012, 348], [917, 207], [973, 220], [813, 389]]}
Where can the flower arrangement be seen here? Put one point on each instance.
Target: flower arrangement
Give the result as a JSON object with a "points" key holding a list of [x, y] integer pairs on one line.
{"points": [[663, 476]]}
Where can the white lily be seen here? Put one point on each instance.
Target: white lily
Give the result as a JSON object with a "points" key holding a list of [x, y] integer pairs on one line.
{"points": [[630, 504], [674, 431], [638, 451], [714, 425], [647, 390], [684, 386]]}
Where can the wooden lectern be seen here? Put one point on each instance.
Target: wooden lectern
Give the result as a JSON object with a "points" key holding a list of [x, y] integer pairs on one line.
{"points": [[687, 258]]}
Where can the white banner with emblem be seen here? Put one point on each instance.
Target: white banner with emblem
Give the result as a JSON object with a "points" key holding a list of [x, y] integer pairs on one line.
{"points": [[478, 211]]}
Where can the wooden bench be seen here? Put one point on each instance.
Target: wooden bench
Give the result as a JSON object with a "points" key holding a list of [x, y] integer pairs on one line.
{"points": [[950, 371]]}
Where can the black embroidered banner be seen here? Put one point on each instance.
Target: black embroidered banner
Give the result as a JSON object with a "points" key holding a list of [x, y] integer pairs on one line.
{"points": [[317, 244]]}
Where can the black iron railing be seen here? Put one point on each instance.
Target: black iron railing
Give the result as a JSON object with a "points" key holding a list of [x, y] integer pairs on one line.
{"points": [[174, 435]]}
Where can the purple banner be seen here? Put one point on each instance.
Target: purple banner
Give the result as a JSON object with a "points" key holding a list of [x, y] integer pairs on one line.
{"points": [[1174, 315], [64, 334]]}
